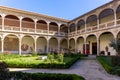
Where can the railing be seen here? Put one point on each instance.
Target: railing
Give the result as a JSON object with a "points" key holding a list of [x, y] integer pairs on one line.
{"points": [[53, 32], [41, 31], [81, 31], [92, 28], [12, 28], [0, 27], [28, 30], [118, 21], [63, 34], [106, 25]]}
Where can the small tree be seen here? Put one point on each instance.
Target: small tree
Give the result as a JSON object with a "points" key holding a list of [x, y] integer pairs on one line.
{"points": [[115, 43]]}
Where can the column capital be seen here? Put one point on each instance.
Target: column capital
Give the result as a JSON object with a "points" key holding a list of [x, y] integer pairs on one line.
{"points": [[35, 20], [3, 15], [20, 17]]}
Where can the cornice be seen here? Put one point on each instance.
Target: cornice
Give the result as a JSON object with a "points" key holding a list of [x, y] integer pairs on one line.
{"points": [[33, 14]]}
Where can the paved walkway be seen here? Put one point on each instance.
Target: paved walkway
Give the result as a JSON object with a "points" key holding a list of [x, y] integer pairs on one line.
{"points": [[89, 68]]}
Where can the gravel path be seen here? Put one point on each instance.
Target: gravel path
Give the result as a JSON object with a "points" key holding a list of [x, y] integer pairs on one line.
{"points": [[89, 69]]}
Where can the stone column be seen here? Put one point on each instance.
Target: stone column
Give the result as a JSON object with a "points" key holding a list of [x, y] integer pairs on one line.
{"points": [[3, 20], [58, 44], [35, 25], [115, 18], [85, 27], [20, 18], [98, 24], [20, 41], [75, 45], [48, 27], [59, 29], [47, 45], [2, 44], [35, 41], [98, 46], [85, 45]]}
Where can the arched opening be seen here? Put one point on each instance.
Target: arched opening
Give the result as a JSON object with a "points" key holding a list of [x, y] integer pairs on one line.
{"points": [[64, 45], [118, 14], [0, 22], [104, 42], [72, 45], [80, 43], [72, 27], [11, 43], [53, 44], [91, 23], [28, 25], [63, 29], [11, 22], [0, 44], [92, 44], [41, 45], [81, 25], [41, 25], [53, 27], [106, 18], [27, 44]]}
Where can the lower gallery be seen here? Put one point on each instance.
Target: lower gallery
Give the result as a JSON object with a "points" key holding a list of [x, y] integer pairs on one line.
{"points": [[22, 31]]}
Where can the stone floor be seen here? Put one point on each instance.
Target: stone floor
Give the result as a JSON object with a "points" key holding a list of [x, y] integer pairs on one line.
{"points": [[88, 68]]}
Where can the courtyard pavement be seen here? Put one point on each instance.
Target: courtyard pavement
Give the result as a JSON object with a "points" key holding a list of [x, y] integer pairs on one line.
{"points": [[89, 68]]}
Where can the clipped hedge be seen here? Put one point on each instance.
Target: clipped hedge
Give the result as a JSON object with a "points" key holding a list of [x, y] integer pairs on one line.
{"points": [[44, 76], [23, 63], [107, 67], [110, 63]]}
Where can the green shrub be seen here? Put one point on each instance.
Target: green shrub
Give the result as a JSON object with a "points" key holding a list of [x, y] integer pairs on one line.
{"points": [[115, 60], [105, 64], [44, 76], [4, 74], [60, 57]]}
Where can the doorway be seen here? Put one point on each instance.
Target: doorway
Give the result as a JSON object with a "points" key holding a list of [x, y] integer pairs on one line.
{"points": [[94, 48]]}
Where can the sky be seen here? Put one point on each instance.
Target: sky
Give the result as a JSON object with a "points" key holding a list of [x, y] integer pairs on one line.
{"points": [[67, 9]]}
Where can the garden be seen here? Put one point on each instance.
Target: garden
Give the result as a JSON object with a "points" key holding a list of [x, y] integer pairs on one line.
{"points": [[50, 60], [110, 63]]}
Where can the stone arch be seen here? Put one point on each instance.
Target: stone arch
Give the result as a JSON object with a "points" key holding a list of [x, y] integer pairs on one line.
{"points": [[106, 15], [64, 44], [80, 43], [28, 23], [80, 24], [118, 35], [1, 20], [11, 43], [63, 28], [72, 45], [27, 44], [118, 14], [72, 27], [53, 44], [53, 26], [91, 41], [41, 45], [41, 24], [105, 38], [91, 21], [13, 21]]}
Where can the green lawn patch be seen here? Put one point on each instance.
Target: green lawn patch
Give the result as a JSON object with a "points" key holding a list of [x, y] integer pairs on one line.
{"points": [[110, 63], [16, 61]]}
